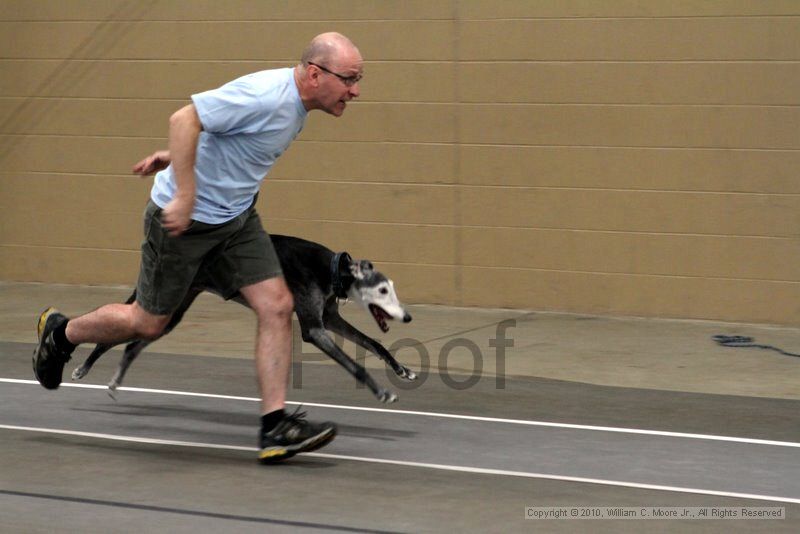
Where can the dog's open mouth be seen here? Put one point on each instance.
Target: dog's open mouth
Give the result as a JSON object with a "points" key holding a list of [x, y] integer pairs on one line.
{"points": [[380, 317]]}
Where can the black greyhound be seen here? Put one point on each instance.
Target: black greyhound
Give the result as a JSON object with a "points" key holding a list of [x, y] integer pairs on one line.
{"points": [[317, 278]]}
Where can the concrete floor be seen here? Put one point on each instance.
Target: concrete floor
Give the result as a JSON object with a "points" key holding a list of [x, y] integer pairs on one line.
{"points": [[580, 411]]}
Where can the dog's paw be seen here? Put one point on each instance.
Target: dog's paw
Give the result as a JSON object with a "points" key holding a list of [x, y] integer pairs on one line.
{"points": [[407, 374], [79, 373], [386, 396]]}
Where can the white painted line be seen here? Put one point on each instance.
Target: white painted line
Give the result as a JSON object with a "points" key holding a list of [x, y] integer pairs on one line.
{"points": [[113, 437], [441, 467], [709, 437], [562, 478]]}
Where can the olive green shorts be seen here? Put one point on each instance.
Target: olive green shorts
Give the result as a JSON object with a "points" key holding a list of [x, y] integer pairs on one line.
{"points": [[229, 256]]}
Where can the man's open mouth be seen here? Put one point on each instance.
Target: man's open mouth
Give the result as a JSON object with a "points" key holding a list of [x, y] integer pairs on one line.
{"points": [[380, 317]]}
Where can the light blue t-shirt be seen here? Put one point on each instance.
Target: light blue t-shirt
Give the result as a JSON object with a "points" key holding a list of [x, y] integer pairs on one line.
{"points": [[247, 124]]}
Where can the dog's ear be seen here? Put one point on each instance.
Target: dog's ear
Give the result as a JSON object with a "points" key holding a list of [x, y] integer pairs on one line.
{"points": [[355, 270], [361, 269]]}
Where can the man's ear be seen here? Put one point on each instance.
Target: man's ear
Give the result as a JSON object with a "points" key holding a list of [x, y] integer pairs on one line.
{"points": [[313, 76]]}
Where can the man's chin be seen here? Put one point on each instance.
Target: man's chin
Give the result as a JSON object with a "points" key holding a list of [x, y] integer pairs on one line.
{"points": [[338, 109]]}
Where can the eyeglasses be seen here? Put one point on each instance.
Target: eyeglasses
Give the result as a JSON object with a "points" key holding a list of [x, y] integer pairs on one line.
{"points": [[349, 81]]}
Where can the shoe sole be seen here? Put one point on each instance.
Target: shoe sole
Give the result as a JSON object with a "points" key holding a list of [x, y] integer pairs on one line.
{"points": [[273, 455], [40, 326]]}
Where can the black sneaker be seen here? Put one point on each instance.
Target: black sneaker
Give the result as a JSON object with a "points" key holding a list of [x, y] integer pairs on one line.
{"points": [[48, 360], [293, 435]]}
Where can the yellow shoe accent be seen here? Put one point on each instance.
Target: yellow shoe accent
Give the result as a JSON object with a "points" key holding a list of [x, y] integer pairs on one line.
{"points": [[271, 453], [43, 320]]}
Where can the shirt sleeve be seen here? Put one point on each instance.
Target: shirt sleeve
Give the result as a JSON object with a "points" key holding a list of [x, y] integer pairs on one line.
{"points": [[236, 107]]}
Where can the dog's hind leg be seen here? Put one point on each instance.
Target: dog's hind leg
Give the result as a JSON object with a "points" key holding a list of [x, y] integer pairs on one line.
{"points": [[86, 366], [132, 350], [98, 351], [336, 323]]}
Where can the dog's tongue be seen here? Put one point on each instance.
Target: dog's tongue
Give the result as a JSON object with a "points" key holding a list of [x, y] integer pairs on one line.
{"points": [[380, 317]]}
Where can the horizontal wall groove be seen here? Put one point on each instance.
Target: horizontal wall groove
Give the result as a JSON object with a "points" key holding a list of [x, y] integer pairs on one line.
{"points": [[599, 273], [87, 249], [464, 103], [223, 21], [291, 61], [446, 265], [265, 215], [589, 18], [431, 143], [336, 181], [524, 187], [434, 143]]}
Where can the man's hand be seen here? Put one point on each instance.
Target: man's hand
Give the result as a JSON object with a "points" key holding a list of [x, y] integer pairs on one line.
{"points": [[184, 132], [153, 163], [177, 215]]}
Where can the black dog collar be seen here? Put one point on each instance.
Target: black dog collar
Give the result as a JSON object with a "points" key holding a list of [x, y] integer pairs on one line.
{"points": [[341, 277]]}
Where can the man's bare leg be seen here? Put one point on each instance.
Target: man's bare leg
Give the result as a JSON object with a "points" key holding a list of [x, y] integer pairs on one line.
{"points": [[111, 324], [282, 435], [273, 304], [115, 323]]}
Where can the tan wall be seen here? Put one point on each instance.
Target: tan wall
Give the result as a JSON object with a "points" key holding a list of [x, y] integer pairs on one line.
{"points": [[608, 156]]}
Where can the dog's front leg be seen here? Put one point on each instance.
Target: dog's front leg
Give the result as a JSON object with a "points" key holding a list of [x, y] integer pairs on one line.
{"points": [[336, 323], [320, 339]]}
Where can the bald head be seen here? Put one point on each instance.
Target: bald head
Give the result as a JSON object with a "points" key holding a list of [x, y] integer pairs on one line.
{"points": [[329, 72], [328, 49]]}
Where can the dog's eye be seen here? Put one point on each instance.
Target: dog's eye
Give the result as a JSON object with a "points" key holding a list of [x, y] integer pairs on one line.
{"points": [[384, 291]]}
